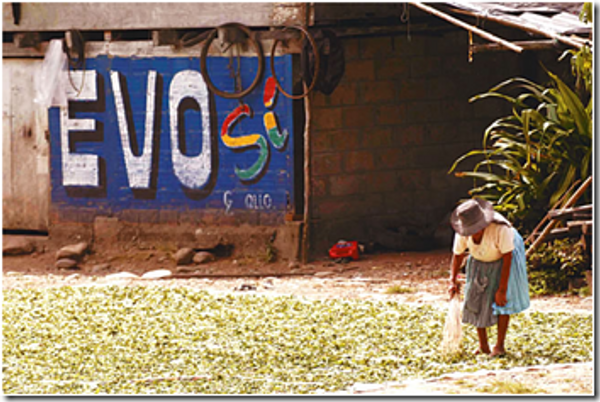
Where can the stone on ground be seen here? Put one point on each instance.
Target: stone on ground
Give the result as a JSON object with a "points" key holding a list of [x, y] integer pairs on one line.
{"points": [[158, 273], [16, 246], [203, 257], [184, 256], [268, 283], [72, 251]]}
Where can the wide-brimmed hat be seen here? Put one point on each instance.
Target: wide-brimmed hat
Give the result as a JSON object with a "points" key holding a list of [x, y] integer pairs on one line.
{"points": [[471, 216]]}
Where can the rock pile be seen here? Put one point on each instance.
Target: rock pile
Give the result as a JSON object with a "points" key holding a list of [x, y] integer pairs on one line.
{"points": [[186, 257], [70, 256]]}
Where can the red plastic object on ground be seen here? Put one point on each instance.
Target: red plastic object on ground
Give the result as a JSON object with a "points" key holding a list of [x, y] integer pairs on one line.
{"points": [[344, 249]]}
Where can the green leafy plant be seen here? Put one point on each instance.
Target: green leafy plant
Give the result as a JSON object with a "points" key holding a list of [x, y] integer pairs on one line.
{"points": [[587, 13], [533, 156], [270, 253], [581, 65], [584, 291], [553, 264], [155, 340]]}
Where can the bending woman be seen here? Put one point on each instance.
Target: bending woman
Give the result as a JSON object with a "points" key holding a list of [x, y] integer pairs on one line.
{"points": [[496, 284]]}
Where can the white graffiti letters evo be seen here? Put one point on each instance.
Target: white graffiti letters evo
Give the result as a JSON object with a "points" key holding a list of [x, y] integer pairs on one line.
{"points": [[83, 169]]}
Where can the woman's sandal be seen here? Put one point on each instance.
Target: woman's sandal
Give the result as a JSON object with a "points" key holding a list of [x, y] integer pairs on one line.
{"points": [[480, 352], [498, 353]]}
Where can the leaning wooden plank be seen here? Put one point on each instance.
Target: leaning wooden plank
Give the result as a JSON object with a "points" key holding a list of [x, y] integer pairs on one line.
{"points": [[561, 214], [584, 208], [559, 202], [571, 212], [580, 223], [568, 204], [558, 233]]}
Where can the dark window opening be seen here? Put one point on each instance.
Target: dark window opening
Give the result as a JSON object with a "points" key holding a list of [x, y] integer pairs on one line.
{"points": [[131, 35], [48, 36], [24, 232], [7, 37], [93, 36]]}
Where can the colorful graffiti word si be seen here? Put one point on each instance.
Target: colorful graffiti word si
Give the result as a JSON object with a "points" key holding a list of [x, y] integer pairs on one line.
{"points": [[255, 140], [143, 134]]}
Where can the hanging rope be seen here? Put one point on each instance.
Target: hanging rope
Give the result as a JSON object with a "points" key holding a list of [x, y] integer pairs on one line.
{"points": [[77, 44], [191, 38], [405, 18]]}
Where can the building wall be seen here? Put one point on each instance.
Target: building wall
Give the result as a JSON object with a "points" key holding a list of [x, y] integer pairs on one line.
{"points": [[383, 142], [143, 150]]}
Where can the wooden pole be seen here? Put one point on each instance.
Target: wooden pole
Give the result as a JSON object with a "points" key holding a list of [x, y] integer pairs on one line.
{"points": [[471, 28], [551, 224], [307, 165], [526, 45]]}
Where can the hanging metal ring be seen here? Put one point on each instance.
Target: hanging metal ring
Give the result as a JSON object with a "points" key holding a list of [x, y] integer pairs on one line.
{"points": [[317, 61], [261, 62]]}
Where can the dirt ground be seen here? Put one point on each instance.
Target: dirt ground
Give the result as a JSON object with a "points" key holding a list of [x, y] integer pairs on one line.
{"points": [[411, 277]]}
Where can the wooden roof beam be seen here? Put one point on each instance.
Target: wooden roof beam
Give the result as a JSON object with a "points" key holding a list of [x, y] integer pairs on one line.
{"points": [[526, 45], [468, 27]]}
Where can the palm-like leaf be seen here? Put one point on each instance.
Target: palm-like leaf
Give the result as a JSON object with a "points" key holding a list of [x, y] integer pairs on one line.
{"points": [[532, 156]]}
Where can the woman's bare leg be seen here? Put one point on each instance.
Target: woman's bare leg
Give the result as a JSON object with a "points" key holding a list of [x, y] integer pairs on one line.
{"points": [[484, 347], [503, 321]]}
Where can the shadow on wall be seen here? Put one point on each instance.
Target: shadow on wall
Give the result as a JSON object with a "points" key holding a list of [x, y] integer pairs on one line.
{"points": [[409, 237], [398, 236]]}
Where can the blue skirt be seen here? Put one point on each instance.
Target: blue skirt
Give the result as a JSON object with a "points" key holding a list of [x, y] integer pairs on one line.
{"points": [[483, 279]]}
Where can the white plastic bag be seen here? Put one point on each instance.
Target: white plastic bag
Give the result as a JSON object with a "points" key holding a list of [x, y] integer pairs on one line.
{"points": [[52, 80], [453, 328]]}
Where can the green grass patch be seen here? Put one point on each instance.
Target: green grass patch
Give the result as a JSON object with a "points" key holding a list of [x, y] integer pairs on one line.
{"points": [[156, 340]]}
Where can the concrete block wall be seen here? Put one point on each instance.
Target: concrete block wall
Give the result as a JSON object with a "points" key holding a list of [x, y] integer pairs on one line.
{"points": [[382, 143]]}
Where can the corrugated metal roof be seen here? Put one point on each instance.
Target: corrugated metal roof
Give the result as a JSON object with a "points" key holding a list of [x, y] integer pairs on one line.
{"points": [[553, 18]]}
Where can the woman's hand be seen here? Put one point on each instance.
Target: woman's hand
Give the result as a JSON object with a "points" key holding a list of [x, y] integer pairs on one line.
{"points": [[500, 298], [455, 264], [454, 288]]}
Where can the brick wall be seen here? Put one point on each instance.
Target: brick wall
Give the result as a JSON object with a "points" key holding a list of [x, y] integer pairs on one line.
{"points": [[382, 143]]}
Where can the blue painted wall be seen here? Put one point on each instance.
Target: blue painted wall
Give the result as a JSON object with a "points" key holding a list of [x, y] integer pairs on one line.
{"points": [[223, 187]]}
